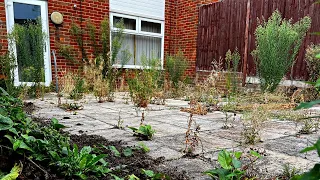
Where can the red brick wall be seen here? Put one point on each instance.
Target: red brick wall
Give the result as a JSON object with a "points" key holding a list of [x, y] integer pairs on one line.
{"points": [[182, 28], [92, 10], [3, 28]]}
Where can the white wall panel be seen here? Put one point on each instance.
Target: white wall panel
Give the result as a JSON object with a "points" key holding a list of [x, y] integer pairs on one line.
{"points": [[144, 8]]}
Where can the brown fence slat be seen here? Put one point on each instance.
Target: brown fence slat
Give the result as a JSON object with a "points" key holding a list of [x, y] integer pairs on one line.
{"points": [[222, 27]]}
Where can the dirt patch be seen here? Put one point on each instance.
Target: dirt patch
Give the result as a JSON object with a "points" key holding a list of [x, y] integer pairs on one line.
{"points": [[121, 166]]}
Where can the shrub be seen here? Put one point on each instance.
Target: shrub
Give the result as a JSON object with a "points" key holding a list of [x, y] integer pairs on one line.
{"points": [[313, 63], [175, 67], [278, 42]]}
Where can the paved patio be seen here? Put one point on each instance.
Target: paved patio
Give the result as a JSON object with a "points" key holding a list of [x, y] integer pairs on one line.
{"points": [[280, 143]]}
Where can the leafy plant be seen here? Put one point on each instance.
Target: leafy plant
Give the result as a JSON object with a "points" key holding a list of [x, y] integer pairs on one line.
{"points": [[46, 144], [313, 174], [14, 173], [145, 132], [231, 167], [79, 163], [278, 42]]}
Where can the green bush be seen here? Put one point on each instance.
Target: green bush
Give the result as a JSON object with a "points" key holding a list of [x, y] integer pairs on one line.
{"points": [[278, 42]]}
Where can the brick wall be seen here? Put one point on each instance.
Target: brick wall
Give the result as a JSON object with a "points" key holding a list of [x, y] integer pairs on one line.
{"points": [[186, 29], [92, 10], [3, 28]]}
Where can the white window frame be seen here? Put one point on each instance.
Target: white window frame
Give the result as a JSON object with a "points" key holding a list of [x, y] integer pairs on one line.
{"points": [[138, 32], [45, 28]]}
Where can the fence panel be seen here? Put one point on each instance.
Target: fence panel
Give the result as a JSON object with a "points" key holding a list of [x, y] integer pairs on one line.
{"points": [[222, 27]]}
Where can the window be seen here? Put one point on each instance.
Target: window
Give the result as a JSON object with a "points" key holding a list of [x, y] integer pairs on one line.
{"points": [[32, 52], [142, 38]]}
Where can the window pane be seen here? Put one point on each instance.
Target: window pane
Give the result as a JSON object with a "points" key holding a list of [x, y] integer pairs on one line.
{"points": [[150, 47], [128, 23], [29, 42], [151, 27], [25, 12], [127, 47]]}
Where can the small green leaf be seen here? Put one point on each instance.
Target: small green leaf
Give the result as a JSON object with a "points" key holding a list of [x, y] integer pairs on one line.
{"points": [[65, 151], [225, 159], [115, 151], [148, 173], [5, 123], [133, 177], [256, 154], [307, 149], [307, 105], [16, 145], [318, 56], [85, 150], [127, 152], [236, 163], [238, 155], [96, 159], [25, 146], [83, 162]]}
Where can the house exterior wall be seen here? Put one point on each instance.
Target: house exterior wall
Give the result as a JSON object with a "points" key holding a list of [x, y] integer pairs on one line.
{"points": [[79, 12], [181, 20]]}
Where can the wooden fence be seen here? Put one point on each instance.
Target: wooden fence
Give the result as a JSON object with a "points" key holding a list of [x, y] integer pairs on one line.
{"points": [[231, 24]]}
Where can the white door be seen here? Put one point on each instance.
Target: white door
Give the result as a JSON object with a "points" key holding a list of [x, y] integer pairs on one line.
{"points": [[22, 12]]}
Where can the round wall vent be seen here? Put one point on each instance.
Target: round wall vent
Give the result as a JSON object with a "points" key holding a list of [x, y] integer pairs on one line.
{"points": [[56, 18]]}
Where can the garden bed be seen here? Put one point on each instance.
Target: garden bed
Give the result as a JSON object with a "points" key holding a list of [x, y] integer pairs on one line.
{"points": [[122, 166]]}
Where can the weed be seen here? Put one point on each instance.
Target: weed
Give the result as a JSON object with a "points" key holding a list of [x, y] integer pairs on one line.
{"points": [[120, 122], [78, 91], [289, 172], [144, 147], [192, 136], [146, 82], [231, 166], [175, 67], [144, 132], [226, 109], [71, 106], [253, 124], [14, 173], [273, 62]]}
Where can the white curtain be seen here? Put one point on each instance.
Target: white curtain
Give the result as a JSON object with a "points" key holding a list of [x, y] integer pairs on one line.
{"points": [[140, 46]]}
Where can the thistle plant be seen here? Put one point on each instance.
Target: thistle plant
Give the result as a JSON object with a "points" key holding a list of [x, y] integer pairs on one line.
{"points": [[278, 42]]}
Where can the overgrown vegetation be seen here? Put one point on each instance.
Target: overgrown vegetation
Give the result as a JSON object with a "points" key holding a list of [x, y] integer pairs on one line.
{"points": [[231, 165], [278, 42], [146, 82], [175, 67]]}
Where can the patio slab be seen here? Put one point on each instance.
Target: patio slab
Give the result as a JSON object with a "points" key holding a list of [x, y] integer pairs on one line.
{"points": [[280, 140]]}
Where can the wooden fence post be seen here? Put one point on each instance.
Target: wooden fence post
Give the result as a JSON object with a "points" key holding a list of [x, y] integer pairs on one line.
{"points": [[246, 42]]}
